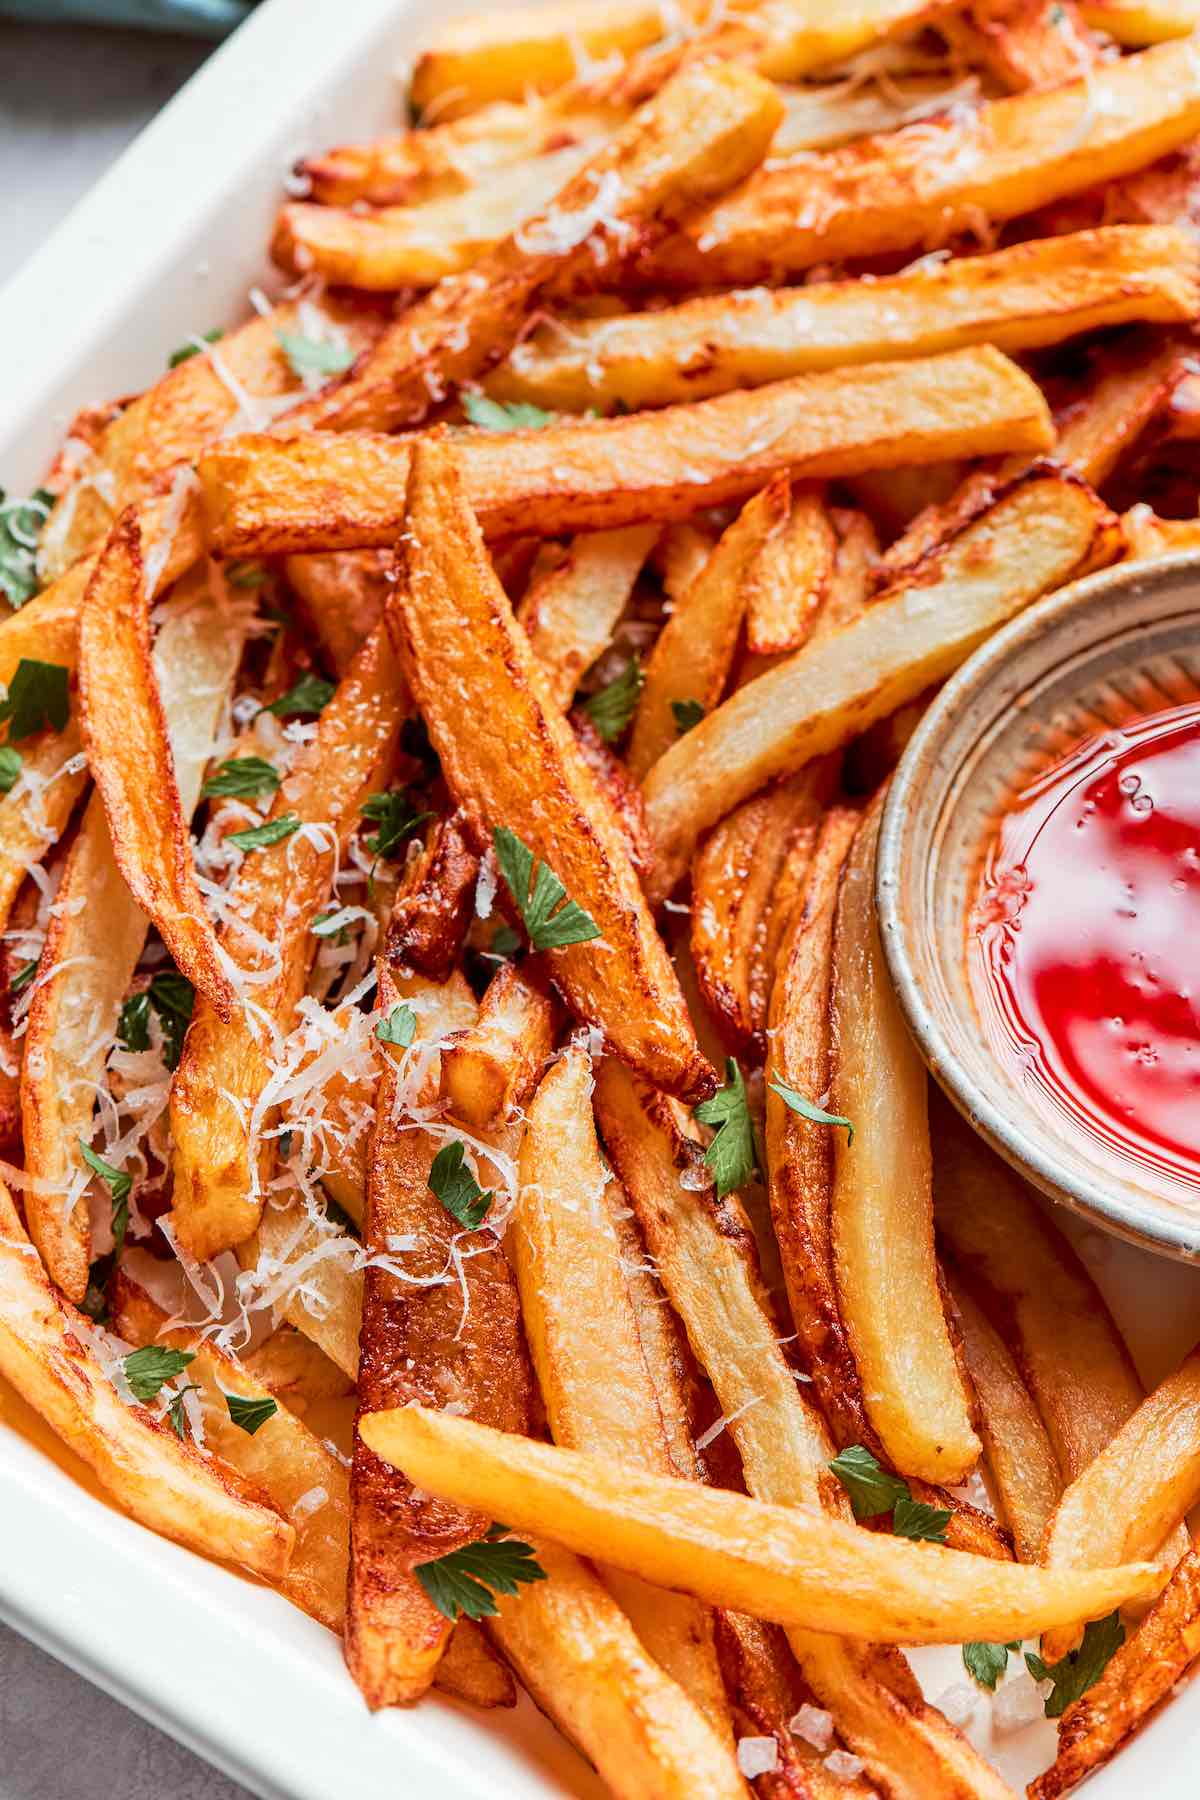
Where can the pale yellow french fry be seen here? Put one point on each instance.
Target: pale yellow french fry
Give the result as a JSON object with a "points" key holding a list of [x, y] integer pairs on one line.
{"points": [[1138, 22], [791, 578], [569, 615], [494, 1064], [35, 811]]}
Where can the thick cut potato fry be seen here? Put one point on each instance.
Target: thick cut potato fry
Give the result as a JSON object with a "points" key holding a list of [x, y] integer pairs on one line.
{"points": [[1019, 298], [96, 936], [791, 577], [1040, 532], [125, 730], [692, 656], [296, 1370], [162, 1482], [471, 1670], [584, 1340], [1148, 537], [791, 1564], [318, 493], [1127, 391], [925, 182], [512, 761], [435, 903], [1138, 22], [1020, 1456], [570, 614], [317, 1275], [495, 1064], [704, 131], [1025, 44], [282, 1456], [35, 811], [883, 1195], [1143, 1671], [342, 598], [218, 1191]]}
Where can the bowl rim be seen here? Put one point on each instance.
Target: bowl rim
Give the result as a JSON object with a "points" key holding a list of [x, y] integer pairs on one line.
{"points": [[1107, 1206]]}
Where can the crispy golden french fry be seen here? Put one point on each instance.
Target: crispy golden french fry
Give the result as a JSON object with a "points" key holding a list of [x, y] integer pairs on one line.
{"points": [[883, 1194], [683, 549], [918, 186], [1026, 44], [1143, 1671], [706, 129], [296, 1370], [436, 1323], [96, 936], [342, 598], [435, 903], [125, 730], [52, 1356], [1148, 537], [1019, 298], [584, 1340], [1138, 22], [1016, 1444], [303, 1479], [471, 1671], [1041, 531], [570, 613], [1135, 1491], [789, 581], [320, 493], [495, 1064], [580, 1658], [219, 1155], [789, 1563], [1127, 390], [617, 784], [35, 811], [692, 656], [512, 761]]}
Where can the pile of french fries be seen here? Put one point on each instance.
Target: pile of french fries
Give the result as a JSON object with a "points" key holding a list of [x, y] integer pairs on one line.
{"points": [[465, 1163]]}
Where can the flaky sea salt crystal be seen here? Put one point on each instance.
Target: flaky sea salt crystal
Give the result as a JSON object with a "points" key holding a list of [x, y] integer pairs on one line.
{"points": [[844, 1764], [757, 1756], [814, 1725], [1018, 1703], [957, 1703]]}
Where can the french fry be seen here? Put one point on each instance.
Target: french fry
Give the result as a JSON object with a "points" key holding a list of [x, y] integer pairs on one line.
{"points": [[514, 763], [163, 1482], [617, 784], [788, 1563], [570, 613], [296, 1370], [35, 811], [883, 1194], [693, 653], [1026, 44], [580, 1320], [471, 1671], [218, 1162], [320, 493], [791, 577], [96, 936], [493, 1065], [434, 905], [1138, 22], [1148, 537], [1020, 1456], [1125, 394], [682, 551], [342, 598], [1039, 532], [703, 132], [313, 1273], [1143, 1671], [921, 185], [1019, 298]]}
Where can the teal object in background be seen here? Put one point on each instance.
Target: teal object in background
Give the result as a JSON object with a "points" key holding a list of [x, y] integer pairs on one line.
{"points": [[203, 18]]}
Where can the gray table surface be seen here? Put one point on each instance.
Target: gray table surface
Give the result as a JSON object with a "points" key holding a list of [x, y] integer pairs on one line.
{"points": [[72, 100]]}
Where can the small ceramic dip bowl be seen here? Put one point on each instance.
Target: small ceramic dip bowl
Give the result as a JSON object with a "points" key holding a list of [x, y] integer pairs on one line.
{"points": [[1114, 646]]}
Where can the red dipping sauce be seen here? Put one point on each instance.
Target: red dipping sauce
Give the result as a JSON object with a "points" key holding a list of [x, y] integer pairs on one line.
{"points": [[1084, 941]]}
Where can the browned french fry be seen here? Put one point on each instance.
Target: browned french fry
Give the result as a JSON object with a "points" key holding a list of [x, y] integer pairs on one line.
{"points": [[917, 186], [691, 658], [790, 1563], [682, 552], [853, 567], [1126, 393], [164, 1483], [1026, 44], [434, 905], [1138, 22], [1147, 536], [570, 613], [35, 811], [1018, 298], [218, 1163], [788, 583], [615, 781], [1038, 533], [1019, 1453], [1143, 1671], [491, 1067], [319, 493], [471, 1671], [342, 598], [304, 1480], [513, 762], [883, 1194]]}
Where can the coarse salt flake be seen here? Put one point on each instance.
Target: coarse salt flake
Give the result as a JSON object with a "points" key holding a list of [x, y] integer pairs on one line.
{"points": [[814, 1725], [757, 1756]]}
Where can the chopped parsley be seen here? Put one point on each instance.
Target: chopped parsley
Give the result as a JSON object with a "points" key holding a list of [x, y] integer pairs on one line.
{"points": [[808, 1109], [10, 768], [146, 1369], [250, 1414], [258, 837], [457, 1189], [732, 1156], [194, 347], [21, 524], [175, 1412], [120, 1186], [551, 920], [173, 997], [398, 1027], [23, 977], [245, 574], [914, 1519], [462, 1581], [874, 1490], [311, 694], [686, 713], [503, 415], [1079, 1669], [240, 778], [36, 699], [395, 818], [314, 356], [986, 1663], [505, 941], [611, 708]]}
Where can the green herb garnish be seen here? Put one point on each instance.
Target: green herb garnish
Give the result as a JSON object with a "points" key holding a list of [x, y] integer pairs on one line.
{"points": [[462, 1580], [551, 920]]}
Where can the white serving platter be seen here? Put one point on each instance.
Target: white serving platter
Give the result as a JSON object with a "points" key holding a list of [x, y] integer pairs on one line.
{"points": [[167, 244]]}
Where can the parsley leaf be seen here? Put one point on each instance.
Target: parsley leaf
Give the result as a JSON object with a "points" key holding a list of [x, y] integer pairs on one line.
{"points": [[146, 1369], [987, 1662], [398, 1027], [502, 415], [732, 1156], [611, 708], [10, 768], [175, 1412], [37, 698], [250, 1414], [23, 977], [333, 924], [686, 713], [120, 1185], [314, 356], [537, 892], [505, 941], [21, 523], [460, 1581], [193, 347], [913, 1519], [809, 1110], [258, 837], [245, 574], [395, 817], [872, 1488], [241, 777], [311, 694], [456, 1187], [173, 997], [1079, 1669], [133, 1022]]}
